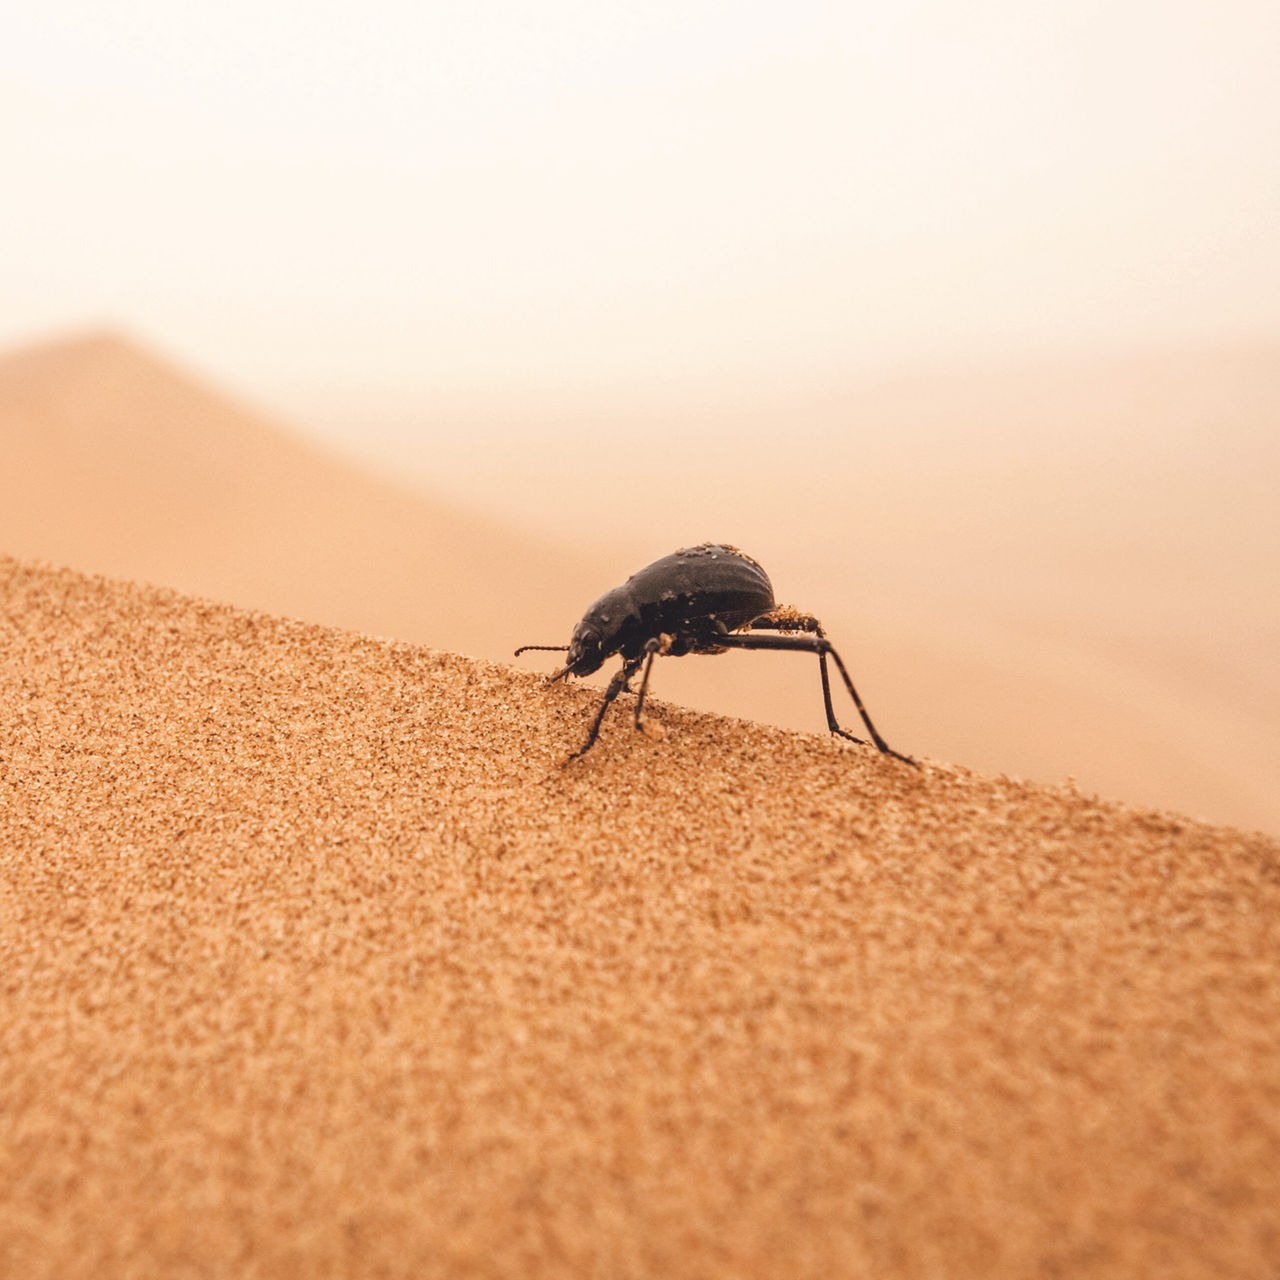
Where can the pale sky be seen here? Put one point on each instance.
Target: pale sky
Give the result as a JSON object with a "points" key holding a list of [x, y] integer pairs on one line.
{"points": [[320, 202]]}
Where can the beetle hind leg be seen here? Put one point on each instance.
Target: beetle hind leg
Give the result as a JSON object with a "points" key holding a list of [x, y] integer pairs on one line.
{"points": [[785, 618], [811, 639]]}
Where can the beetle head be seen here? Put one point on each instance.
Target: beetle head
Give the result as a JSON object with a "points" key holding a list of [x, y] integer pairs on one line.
{"points": [[586, 652]]}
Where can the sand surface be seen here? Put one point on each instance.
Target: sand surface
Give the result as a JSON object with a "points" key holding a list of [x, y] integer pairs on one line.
{"points": [[314, 961]]}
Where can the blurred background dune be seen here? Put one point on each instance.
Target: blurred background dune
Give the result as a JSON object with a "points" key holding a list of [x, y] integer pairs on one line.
{"points": [[123, 464], [966, 325]]}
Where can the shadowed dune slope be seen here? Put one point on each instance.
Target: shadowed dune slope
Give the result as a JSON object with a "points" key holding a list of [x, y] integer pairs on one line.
{"points": [[314, 961]]}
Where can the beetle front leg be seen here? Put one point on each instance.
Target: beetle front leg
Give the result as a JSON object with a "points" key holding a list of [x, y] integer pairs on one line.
{"points": [[652, 647], [619, 682]]}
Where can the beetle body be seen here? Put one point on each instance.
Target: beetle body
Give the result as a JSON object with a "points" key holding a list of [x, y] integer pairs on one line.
{"points": [[691, 596], [704, 599]]}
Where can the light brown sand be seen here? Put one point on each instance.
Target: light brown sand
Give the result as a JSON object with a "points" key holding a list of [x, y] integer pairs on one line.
{"points": [[315, 962]]}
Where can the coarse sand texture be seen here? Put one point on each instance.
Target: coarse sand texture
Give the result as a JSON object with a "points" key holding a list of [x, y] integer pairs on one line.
{"points": [[315, 962]]}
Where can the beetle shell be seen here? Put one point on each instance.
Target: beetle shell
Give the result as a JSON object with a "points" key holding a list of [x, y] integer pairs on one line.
{"points": [[685, 595]]}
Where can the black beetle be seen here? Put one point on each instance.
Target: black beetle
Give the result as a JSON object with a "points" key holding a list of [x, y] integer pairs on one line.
{"points": [[697, 600]]}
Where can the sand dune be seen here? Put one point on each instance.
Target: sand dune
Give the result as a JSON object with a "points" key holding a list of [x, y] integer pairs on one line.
{"points": [[1127, 640], [314, 961], [119, 463]]}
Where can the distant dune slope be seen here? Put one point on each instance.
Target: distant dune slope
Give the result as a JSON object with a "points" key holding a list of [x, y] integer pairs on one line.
{"points": [[315, 961], [118, 463]]}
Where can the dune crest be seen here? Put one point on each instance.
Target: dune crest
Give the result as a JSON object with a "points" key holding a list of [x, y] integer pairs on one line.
{"points": [[315, 961]]}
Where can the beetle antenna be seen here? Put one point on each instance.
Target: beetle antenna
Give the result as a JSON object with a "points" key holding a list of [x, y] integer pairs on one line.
{"points": [[550, 648]]}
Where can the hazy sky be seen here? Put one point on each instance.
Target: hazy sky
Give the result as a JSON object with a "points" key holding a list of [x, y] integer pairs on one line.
{"points": [[323, 201]]}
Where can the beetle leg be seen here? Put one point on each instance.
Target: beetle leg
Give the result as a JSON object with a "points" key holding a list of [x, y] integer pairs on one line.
{"points": [[812, 643], [787, 618], [652, 648], [619, 682]]}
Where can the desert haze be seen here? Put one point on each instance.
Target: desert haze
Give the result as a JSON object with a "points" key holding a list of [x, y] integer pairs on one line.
{"points": [[1063, 572]]}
